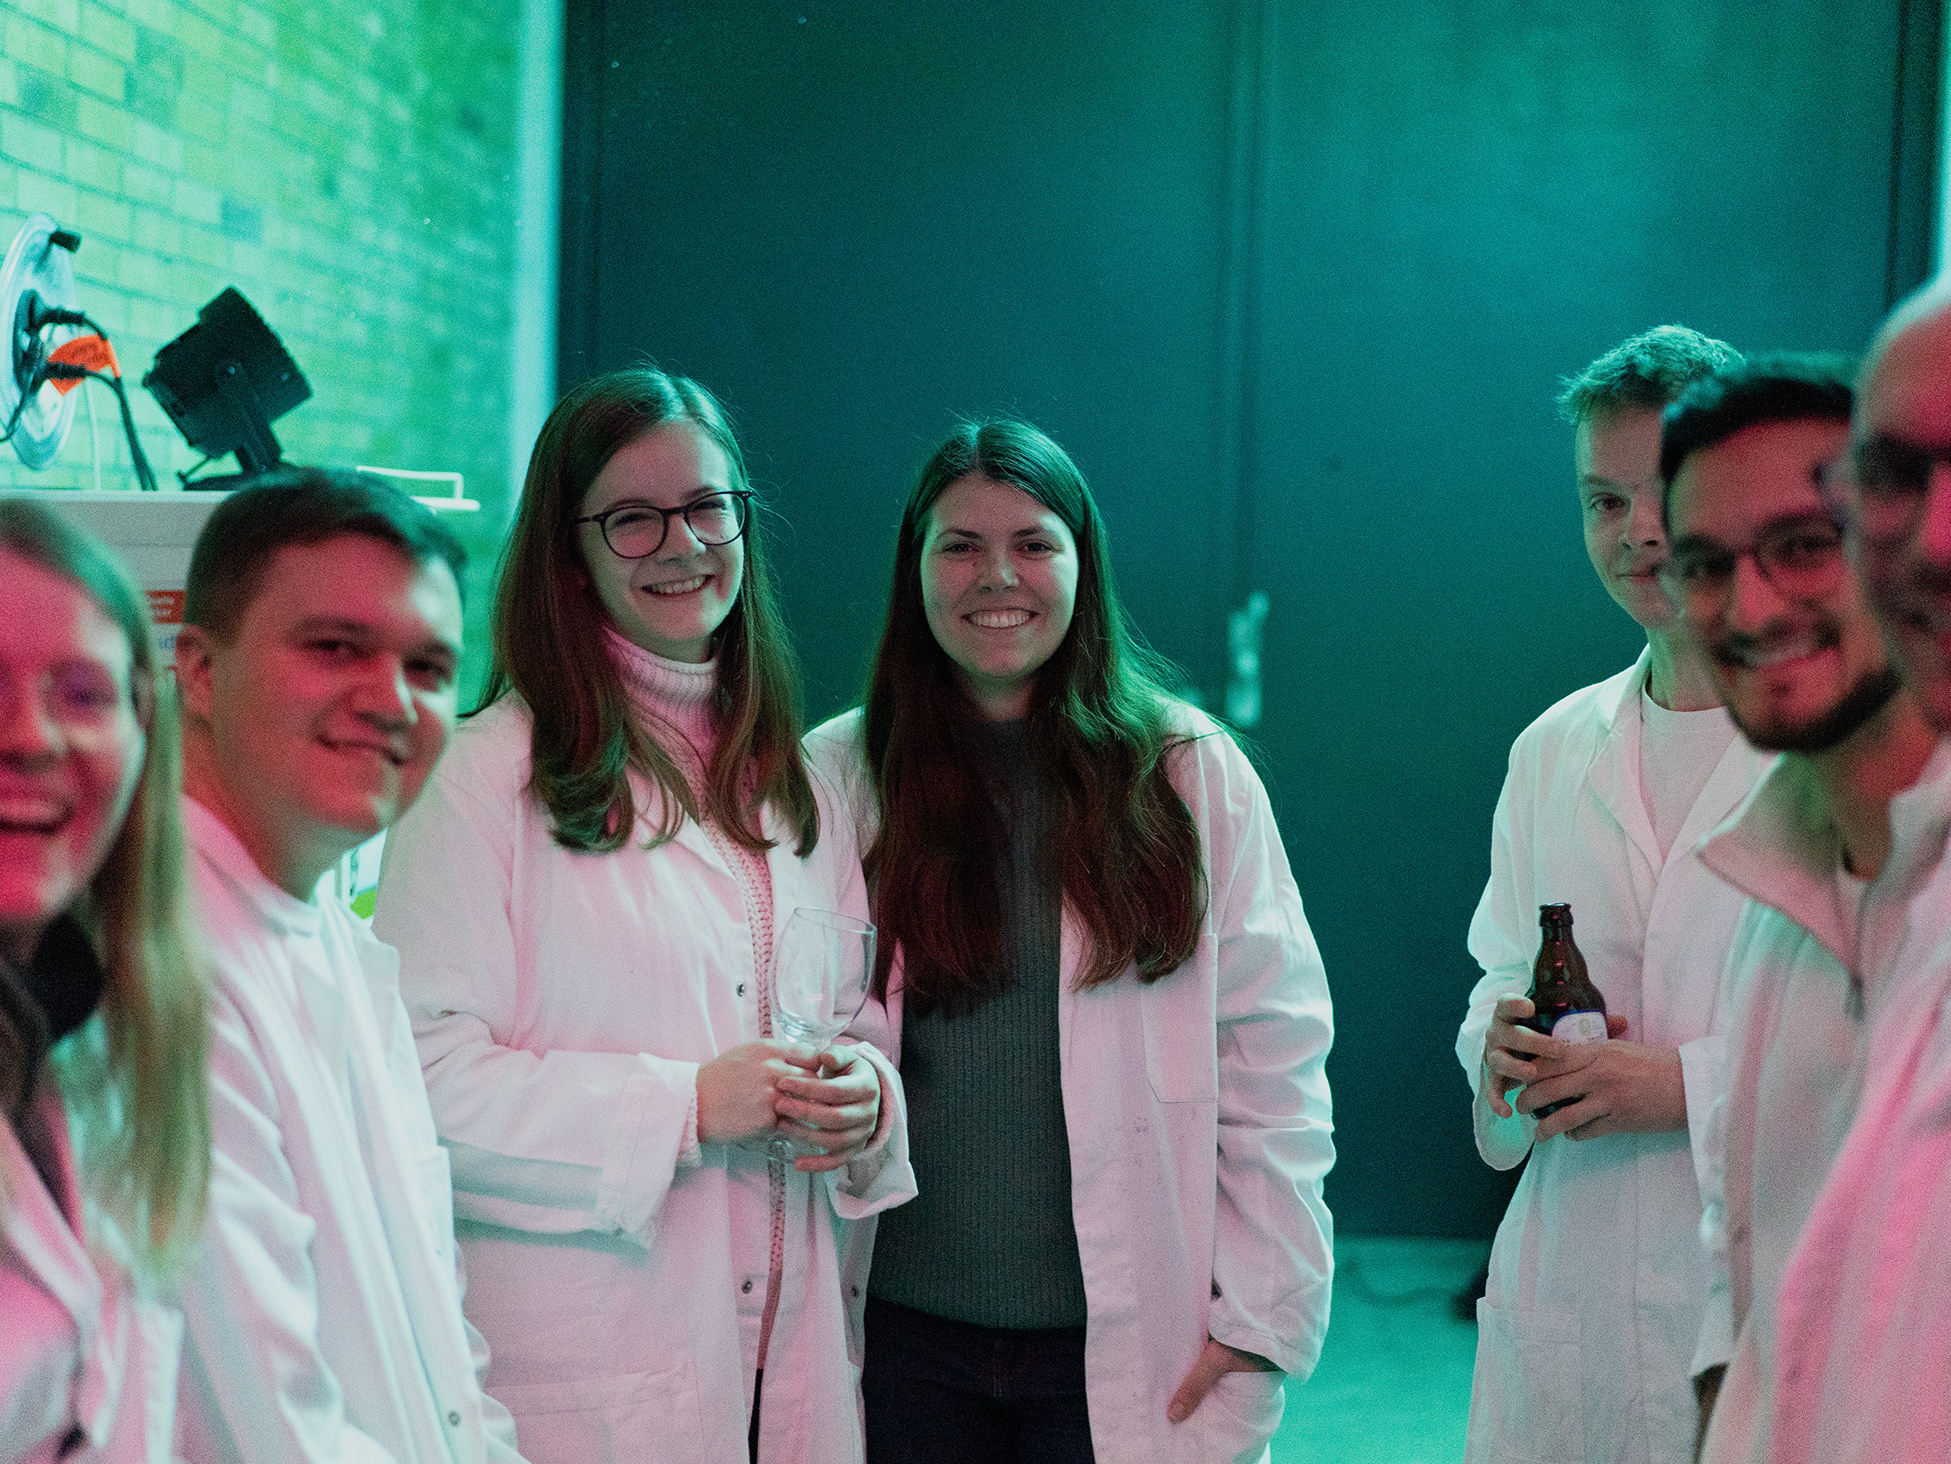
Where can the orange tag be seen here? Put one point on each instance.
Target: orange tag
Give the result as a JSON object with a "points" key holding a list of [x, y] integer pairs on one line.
{"points": [[166, 606], [92, 351]]}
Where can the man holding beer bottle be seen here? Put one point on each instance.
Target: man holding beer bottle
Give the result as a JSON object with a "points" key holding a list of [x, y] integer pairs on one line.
{"points": [[1863, 1336], [1835, 848], [1596, 1281]]}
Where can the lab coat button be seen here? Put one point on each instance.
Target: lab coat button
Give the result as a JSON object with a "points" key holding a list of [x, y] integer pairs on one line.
{"points": [[741, 988], [747, 1286], [454, 1417]]}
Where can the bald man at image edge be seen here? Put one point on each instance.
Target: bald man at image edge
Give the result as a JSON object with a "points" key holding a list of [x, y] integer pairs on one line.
{"points": [[1838, 848], [1863, 1353]]}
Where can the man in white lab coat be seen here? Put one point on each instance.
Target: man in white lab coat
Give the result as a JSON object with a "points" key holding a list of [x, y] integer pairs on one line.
{"points": [[317, 669], [1863, 1354], [1835, 848], [1594, 1293]]}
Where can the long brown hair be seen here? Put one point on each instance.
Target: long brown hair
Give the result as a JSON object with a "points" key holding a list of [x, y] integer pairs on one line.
{"points": [[1123, 845], [135, 1084], [549, 646]]}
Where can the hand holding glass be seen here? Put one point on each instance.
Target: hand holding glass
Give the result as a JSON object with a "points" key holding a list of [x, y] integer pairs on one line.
{"points": [[820, 972]]}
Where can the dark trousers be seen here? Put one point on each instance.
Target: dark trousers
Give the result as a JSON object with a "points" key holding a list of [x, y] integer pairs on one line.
{"points": [[943, 1392]]}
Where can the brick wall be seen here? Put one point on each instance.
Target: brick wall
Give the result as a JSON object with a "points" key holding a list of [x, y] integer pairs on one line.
{"points": [[348, 166]]}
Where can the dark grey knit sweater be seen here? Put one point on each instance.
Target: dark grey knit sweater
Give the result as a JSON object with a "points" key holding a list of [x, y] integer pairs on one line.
{"points": [[989, 1239]]}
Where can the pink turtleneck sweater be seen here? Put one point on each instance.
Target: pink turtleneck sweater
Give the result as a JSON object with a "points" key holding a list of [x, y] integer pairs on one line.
{"points": [[675, 696]]}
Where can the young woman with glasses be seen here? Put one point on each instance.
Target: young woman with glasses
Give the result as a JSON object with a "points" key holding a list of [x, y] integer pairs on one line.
{"points": [[584, 900], [105, 1147], [1112, 1017]]}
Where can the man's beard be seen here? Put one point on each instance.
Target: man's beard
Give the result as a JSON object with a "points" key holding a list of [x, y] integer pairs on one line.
{"points": [[1863, 701]]}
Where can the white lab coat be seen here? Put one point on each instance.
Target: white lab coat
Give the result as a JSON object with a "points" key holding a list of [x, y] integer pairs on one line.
{"points": [[1198, 1117], [1596, 1276], [563, 1003], [1863, 1324], [324, 1314], [80, 1342], [1797, 1074]]}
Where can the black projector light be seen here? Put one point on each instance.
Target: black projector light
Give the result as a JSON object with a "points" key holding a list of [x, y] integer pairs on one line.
{"points": [[223, 382]]}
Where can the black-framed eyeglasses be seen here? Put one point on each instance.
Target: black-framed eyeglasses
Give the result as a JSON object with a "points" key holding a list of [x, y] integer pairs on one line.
{"points": [[1800, 556], [638, 530], [1882, 482]]}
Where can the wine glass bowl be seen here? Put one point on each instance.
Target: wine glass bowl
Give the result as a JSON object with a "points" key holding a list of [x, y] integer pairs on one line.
{"points": [[819, 974], [820, 970]]}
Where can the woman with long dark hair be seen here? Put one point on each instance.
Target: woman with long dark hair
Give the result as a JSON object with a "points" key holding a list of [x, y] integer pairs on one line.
{"points": [[105, 1151], [1111, 1015], [584, 900]]}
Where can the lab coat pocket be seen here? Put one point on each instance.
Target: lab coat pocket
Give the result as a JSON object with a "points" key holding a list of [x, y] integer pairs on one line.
{"points": [[651, 1416], [1241, 1414], [1527, 1398], [1181, 1039]]}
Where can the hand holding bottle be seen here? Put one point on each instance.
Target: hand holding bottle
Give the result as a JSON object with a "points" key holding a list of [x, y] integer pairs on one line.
{"points": [[1510, 1051], [1516, 1055], [1607, 1088]]}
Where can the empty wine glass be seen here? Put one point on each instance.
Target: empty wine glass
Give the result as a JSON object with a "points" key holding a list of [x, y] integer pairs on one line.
{"points": [[820, 970]]}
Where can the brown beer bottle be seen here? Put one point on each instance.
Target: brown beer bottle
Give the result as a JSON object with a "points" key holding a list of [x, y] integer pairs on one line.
{"points": [[1566, 1004]]}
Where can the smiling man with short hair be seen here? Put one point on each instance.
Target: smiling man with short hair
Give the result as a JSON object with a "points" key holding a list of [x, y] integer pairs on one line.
{"points": [[317, 669], [1863, 1359], [1834, 849]]}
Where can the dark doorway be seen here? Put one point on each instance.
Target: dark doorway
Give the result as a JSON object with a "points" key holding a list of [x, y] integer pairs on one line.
{"points": [[1294, 283]]}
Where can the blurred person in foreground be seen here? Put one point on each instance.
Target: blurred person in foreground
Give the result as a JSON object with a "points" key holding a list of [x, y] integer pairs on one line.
{"points": [[1837, 848], [316, 669], [106, 1145], [1596, 1279], [1863, 1358]]}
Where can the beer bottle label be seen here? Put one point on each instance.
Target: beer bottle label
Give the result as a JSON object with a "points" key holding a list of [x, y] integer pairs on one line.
{"points": [[1580, 1027]]}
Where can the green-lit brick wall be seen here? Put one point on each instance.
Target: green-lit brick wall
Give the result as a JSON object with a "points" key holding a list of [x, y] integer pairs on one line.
{"points": [[347, 166]]}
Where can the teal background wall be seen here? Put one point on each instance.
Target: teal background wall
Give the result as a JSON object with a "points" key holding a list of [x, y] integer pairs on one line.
{"points": [[1295, 284]]}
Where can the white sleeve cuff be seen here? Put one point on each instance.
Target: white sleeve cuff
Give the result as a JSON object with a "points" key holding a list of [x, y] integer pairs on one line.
{"points": [[1715, 1346], [642, 1150], [1702, 1071], [690, 1153], [1501, 1142], [881, 1174]]}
